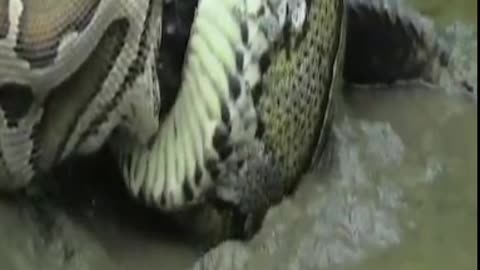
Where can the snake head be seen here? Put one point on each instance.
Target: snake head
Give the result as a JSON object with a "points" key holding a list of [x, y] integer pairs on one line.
{"points": [[248, 192]]}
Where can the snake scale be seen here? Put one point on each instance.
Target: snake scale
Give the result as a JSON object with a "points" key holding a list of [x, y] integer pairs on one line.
{"points": [[230, 97], [75, 73], [71, 72]]}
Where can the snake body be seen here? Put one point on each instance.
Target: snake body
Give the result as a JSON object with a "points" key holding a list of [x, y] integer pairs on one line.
{"points": [[216, 115], [230, 98], [245, 109], [70, 73], [248, 142]]}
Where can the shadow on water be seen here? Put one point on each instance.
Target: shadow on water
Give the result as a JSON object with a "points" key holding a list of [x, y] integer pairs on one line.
{"points": [[400, 193]]}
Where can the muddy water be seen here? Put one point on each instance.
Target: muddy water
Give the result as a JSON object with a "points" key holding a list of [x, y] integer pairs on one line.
{"points": [[438, 183], [442, 214], [400, 193], [445, 11]]}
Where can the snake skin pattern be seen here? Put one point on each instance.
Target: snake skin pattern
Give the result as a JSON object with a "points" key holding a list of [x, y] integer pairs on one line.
{"points": [[230, 98], [294, 101], [71, 71], [246, 132], [215, 114]]}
